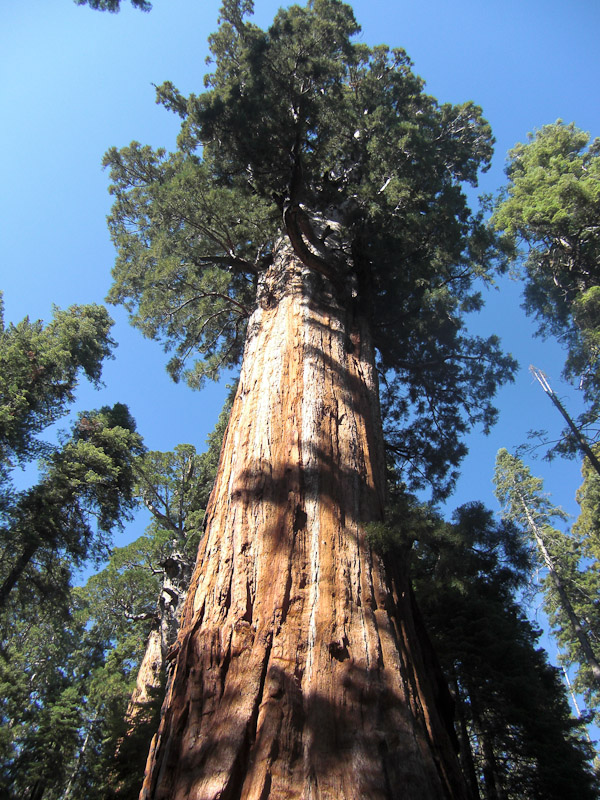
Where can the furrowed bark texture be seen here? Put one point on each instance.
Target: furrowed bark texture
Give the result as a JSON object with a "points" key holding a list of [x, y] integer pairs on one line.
{"points": [[151, 674], [299, 672]]}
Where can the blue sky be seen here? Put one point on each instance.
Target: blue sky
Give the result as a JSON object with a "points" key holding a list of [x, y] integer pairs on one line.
{"points": [[75, 82]]}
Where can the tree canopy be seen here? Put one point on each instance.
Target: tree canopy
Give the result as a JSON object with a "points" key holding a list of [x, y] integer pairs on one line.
{"points": [[551, 208], [86, 480], [65, 519], [113, 5], [568, 564], [40, 368], [512, 712], [303, 131]]}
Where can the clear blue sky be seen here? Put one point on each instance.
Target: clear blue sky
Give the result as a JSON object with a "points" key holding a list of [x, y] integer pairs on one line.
{"points": [[74, 82]]}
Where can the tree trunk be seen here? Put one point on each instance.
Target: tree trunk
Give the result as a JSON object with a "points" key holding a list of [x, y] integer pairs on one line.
{"points": [[79, 761], [492, 780], [17, 570], [466, 750], [299, 671], [582, 442], [151, 674]]}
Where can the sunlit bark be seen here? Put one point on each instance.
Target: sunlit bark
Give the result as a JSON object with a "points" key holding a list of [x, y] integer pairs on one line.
{"points": [[151, 674], [299, 670]]}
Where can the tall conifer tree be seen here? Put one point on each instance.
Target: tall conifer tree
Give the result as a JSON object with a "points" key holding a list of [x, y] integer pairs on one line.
{"points": [[551, 206], [560, 556], [64, 521], [312, 221], [519, 738]]}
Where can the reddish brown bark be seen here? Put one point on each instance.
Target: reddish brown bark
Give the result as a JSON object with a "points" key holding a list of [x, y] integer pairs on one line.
{"points": [[299, 671]]}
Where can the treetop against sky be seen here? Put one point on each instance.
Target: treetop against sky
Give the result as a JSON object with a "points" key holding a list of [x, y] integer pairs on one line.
{"points": [[80, 82]]}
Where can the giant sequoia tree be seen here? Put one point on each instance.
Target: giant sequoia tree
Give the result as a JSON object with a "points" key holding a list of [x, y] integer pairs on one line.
{"points": [[312, 225]]}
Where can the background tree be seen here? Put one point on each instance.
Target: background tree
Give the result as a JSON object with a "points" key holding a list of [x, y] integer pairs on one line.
{"points": [[588, 497], [586, 530], [312, 215], [578, 440], [113, 5], [121, 607], [86, 480], [69, 676], [61, 522], [570, 588], [40, 370], [99, 642], [79, 717], [552, 206], [517, 734], [40, 679], [66, 519]]}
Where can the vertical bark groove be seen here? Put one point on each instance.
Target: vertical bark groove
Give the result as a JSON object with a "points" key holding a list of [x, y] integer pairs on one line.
{"points": [[320, 699]]}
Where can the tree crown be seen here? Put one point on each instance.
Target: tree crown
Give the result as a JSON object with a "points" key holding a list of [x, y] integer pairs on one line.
{"points": [[305, 133], [550, 213]]}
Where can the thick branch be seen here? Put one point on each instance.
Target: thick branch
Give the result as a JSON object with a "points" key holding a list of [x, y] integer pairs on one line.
{"points": [[296, 224], [18, 568], [140, 617], [237, 264], [166, 521]]}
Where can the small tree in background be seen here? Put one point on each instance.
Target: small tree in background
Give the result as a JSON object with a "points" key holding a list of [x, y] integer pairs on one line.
{"points": [[570, 585], [63, 521], [114, 5]]}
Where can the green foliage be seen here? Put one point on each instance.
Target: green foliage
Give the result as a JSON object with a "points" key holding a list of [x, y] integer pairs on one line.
{"points": [[518, 740], [406, 521], [184, 262], [39, 370], [303, 129], [569, 567], [66, 678], [113, 5], [85, 490], [43, 671], [85, 483], [173, 486], [67, 670], [521, 494], [97, 463], [119, 606], [552, 206], [586, 530], [587, 526]]}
